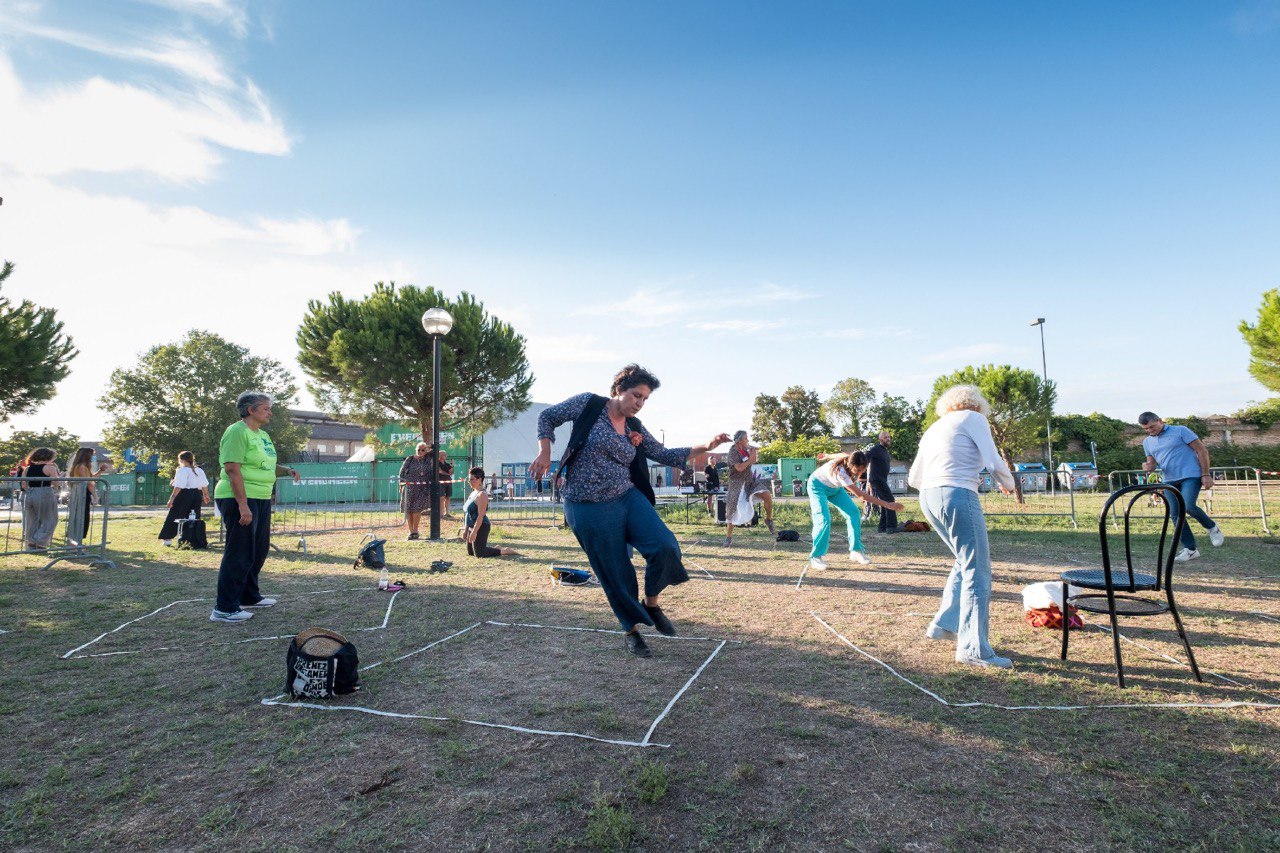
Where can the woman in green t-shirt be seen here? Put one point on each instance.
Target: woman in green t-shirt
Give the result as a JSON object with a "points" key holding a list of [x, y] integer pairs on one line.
{"points": [[243, 495]]}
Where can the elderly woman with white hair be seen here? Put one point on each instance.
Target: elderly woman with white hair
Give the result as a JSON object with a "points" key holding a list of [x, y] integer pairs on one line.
{"points": [[953, 452]]}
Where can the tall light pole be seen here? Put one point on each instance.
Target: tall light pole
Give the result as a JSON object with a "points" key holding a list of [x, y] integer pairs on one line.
{"points": [[1048, 415], [436, 322]]}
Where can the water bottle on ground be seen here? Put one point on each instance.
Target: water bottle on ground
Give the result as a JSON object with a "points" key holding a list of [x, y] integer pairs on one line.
{"points": [[384, 578]]}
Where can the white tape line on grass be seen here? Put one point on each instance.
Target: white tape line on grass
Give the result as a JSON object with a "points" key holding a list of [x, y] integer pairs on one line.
{"points": [[802, 574], [72, 654], [1183, 664], [521, 729], [130, 622], [1265, 616], [418, 651], [676, 698], [949, 704], [699, 567]]}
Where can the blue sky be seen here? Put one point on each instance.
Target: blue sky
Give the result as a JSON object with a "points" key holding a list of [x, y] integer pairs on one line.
{"points": [[741, 196]]}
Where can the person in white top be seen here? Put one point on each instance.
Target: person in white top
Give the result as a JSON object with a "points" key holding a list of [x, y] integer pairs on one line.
{"points": [[953, 452], [833, 483], [190, 489]]}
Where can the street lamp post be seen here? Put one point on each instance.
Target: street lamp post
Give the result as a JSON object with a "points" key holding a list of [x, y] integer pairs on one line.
{"points": [[1048, 415], [436, 322]]}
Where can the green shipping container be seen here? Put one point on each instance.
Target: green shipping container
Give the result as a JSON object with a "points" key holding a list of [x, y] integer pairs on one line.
{"points": [[121, 488], [791, 468]]}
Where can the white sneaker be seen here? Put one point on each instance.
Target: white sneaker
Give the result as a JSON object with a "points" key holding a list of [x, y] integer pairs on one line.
{"points": [[1215, 537], [223, 616], [168, 543], [262, 602], [936, 632], [860, 557], [1186, 555], [815, 563]]}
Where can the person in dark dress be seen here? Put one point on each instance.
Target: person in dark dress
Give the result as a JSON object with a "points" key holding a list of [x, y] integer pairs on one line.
{"points": [[878, 480], [415, 486]]}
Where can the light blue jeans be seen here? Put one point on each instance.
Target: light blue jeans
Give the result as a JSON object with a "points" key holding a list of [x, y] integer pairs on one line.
{"points": [[820, 496], [956, 515], [1190, 488]]}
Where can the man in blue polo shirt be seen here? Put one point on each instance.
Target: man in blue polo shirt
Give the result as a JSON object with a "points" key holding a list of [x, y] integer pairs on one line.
{"points": [[1184, 461]]}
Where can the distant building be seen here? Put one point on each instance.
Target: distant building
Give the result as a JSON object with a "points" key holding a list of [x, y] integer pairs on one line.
{"points": [[331, 440]]}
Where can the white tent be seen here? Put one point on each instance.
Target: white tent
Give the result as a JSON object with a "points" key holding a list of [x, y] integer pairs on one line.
{"points": [[364, 454]]}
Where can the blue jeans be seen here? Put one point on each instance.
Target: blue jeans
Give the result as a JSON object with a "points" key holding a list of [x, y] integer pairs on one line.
{"points": [[606, 531], [1190, 488], [820, 495], [956, 515], [244, 553]]}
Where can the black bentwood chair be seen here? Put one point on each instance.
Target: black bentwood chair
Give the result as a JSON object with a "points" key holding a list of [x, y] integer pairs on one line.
{"points": [[1118, 589]]}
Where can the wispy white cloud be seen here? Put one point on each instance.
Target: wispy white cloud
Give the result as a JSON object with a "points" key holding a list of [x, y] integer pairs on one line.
{"points": [[668, 305], [863, 334], [232, 13], [103, 126], [543, 348], [190, 57], [644, 308]]}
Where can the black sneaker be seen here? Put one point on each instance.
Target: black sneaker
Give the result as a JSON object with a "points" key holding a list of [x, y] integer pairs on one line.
{"points": [[660, 620], [637, 646]]}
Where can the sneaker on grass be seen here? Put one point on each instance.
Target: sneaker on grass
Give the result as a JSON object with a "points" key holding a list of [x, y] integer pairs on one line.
{"points": [[937, 632], [1215, 537], [815, 563], [1186, 555], [860, 557], [262, 602], [224, 616]]}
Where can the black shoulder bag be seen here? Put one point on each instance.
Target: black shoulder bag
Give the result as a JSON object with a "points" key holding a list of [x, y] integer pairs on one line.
{"points": [[582, 427]]}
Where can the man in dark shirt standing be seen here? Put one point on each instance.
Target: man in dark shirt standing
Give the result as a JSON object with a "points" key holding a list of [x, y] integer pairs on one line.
{"points": [[878, 480], [713, 482]]}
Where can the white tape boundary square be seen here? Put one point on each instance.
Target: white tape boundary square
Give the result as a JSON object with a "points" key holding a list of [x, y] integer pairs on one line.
{"points": [[1266, 706], [73, 654], [645, 742]]}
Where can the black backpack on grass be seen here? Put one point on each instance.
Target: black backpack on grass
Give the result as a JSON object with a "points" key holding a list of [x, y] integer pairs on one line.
{"points": [[372, 556], [191, 533], [321, 664]]}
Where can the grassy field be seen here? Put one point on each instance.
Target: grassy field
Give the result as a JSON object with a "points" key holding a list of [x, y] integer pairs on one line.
{"points": [[789, 739]]}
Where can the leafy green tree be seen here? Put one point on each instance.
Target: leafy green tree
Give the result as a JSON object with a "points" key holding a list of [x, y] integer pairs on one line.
{"points": [[1019, 400], [1263, 339], [904, 420], [800, 448], [796, 414], [1262, 414], [34, 354], [768, 420], [16, 447], [370, 359], [850, 410], [803, 410], [182, 396]]}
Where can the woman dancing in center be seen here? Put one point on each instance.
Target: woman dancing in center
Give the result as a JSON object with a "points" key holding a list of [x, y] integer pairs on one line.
{"points": [[603, 503], [834, 483]]}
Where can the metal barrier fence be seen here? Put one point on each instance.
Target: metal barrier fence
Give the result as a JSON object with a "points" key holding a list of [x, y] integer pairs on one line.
{"points": [[1236, 494], [39, 519], [318, 505], [1042, 497]]}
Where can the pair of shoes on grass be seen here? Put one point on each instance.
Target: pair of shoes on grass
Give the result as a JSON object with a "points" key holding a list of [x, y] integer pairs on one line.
{"points": [[241, 615], [859, 557], [937, 632]]}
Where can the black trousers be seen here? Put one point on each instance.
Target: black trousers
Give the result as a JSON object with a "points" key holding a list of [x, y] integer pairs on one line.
{"points": [[481, 547], [888, 518], [244, 554], [187, 501]]}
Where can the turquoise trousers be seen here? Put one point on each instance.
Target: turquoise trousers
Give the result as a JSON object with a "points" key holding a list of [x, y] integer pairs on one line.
{"points": [[821, 496]]}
